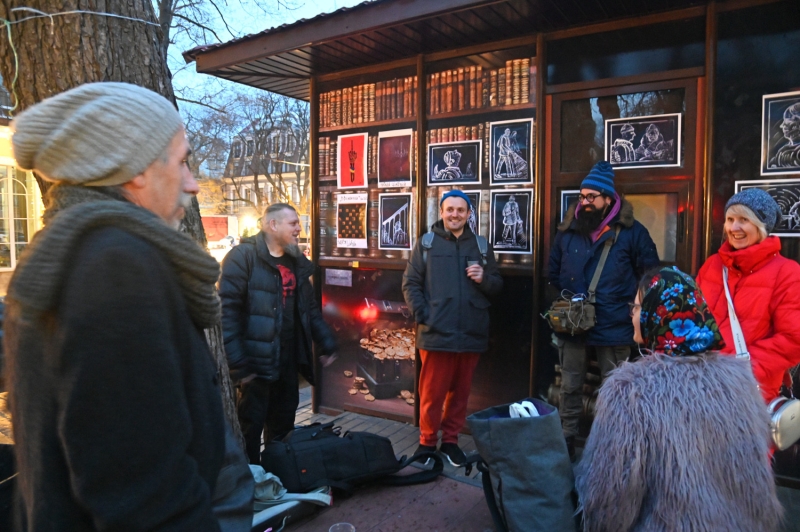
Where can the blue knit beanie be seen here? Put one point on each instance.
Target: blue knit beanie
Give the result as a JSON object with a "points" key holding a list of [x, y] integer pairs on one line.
{"points": [[601, 179], [761, 203], [456, 194]]}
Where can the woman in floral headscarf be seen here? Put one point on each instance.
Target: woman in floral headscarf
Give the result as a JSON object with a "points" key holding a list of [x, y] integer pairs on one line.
{"points": [[680, 438]]}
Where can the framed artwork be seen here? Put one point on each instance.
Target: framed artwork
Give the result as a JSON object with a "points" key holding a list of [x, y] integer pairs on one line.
{"points": [[451, 163], [351, 221], [510, 221], [394, 214], [512, 154], [351, 157], [395, 158], [780, 134], [786, 193], [568, 197], [474, 219], [644, 141]]}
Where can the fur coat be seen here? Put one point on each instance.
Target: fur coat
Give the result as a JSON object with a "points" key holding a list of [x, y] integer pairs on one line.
{"points": [[679, 444]]}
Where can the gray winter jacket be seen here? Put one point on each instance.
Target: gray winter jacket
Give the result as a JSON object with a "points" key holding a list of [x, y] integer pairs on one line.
{"points": [[679, 445]]}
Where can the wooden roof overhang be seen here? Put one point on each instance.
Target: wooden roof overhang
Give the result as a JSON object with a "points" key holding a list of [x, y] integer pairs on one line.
{"points": [[284, 59]]}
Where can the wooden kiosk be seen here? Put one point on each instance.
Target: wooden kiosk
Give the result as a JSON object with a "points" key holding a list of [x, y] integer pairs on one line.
{"points": [[396, 85]]}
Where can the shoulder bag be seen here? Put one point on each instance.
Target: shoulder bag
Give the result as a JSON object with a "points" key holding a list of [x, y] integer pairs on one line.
{"points": [[574, 313], [784, 412]]}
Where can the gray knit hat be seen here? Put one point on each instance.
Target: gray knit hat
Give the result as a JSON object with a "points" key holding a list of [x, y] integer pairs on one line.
{"points": [[761, 203], [98, 134]]}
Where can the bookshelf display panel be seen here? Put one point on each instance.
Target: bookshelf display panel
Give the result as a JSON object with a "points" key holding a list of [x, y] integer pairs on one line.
{"points": [[381, 103], [464, 96], [475, 89]]}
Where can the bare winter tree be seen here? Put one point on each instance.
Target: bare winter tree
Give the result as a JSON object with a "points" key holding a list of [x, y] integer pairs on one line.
{"points": [[198, 22], [274, 151], [209, 132], [105, 41]]}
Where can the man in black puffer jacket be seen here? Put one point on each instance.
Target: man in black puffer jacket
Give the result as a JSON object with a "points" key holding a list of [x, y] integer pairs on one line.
{"points": [[269, 318], [448, 292]]}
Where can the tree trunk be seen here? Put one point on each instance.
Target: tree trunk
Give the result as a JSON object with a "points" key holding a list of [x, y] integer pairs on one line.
{"points": [[59, 53]]}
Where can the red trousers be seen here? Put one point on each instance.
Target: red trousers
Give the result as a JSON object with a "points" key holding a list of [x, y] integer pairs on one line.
{"points": [[444, 381]]}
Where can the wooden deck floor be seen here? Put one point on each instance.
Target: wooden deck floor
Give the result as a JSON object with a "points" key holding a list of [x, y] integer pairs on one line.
{"points": [[454, 502]]}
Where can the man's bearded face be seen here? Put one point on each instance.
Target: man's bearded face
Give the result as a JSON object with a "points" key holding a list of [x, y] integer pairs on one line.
{"points": [[591, 216]]}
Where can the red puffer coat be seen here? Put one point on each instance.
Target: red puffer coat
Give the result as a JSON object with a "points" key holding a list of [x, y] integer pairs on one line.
{"points": [[765, 287]]}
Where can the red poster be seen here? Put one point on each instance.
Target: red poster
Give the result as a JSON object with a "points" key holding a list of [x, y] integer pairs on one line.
{"points": [[352, 161], [216, 227]]}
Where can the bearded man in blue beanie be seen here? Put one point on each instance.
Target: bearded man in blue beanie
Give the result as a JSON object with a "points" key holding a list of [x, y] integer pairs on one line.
{"points": [[600, 215]]}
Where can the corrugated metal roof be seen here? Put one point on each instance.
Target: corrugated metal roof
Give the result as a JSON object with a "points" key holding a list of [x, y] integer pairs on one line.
{"points": [[189, 55]]}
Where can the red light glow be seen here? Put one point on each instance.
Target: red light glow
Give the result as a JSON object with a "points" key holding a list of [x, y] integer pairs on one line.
{"points": [[367, 314]]}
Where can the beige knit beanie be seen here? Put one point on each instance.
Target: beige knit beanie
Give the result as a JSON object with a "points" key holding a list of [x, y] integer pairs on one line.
{"points": [[98, 134]]}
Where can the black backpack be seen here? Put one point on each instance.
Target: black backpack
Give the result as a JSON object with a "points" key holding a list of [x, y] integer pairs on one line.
{"points": [[314, 456]]}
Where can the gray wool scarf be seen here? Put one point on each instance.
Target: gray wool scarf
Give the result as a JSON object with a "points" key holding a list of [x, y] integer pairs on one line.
{"points": [[73, 211]]}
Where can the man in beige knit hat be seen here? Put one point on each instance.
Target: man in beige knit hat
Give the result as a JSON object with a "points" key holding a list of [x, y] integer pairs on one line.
{"points": [[116, 408]]}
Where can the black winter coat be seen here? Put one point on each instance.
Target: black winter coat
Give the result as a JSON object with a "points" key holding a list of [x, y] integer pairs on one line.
{"points": [[574, 258], [251, 290], [451, 310], [117, 415]]}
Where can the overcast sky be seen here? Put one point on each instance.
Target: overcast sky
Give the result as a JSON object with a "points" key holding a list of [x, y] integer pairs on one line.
{"points": [[243, 21]]}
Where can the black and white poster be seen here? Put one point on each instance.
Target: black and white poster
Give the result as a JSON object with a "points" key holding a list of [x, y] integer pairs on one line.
{"points": [[786, 193], [510, 220], [474, 219], [644, 141], [395, 158], [568, 198], [780, 134], [395, 220], [511, 161], [351, 221], [451, 163]]}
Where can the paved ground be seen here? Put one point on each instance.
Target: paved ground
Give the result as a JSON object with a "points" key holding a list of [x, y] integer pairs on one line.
{"points": [[453, 503]]}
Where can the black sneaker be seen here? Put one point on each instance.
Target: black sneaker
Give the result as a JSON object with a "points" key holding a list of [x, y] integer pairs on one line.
{"points": [[424, 449], [453, 453]]}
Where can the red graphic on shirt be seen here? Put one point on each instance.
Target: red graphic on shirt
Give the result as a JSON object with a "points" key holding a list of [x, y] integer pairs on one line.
{"points": [[289, 281]]}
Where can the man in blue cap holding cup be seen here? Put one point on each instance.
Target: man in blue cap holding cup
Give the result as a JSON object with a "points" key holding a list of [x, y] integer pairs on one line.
{"points": [[447, 285]]}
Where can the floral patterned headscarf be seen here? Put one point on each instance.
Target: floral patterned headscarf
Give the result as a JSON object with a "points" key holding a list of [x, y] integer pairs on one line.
{"points": [[675, 318]]}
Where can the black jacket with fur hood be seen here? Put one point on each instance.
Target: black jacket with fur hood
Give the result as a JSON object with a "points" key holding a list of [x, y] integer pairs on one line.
{"points": [[574, 258]]}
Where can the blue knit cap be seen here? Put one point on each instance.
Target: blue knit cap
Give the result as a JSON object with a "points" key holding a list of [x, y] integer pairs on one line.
{"points": [[456, 194], [601, 179], [761, 203]]}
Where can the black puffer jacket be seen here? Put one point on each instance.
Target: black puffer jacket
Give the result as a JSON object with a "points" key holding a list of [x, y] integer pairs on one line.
{"points": [[251, 291], [451, 310]]}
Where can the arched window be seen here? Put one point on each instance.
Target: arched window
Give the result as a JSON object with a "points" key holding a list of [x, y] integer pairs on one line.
{"points": [[20, 213]]}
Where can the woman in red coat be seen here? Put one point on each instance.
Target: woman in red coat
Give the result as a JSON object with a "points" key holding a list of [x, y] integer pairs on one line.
{"points": [[765, 287]]}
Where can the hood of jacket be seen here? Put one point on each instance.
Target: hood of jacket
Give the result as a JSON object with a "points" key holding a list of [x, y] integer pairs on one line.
{"points": [[624, 218]]}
